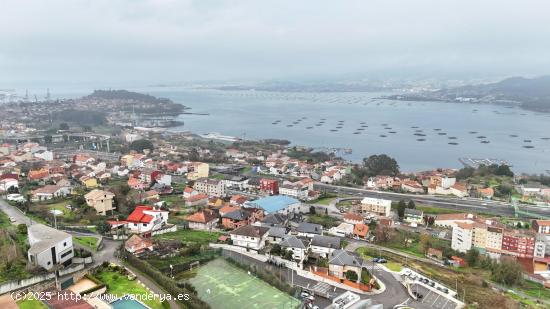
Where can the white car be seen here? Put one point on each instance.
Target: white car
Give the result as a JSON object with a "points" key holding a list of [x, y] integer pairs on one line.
{"points": [[15, 197], [12, 219]]}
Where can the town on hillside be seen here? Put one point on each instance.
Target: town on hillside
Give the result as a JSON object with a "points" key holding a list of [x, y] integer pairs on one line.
{"points": [[102, 210]]}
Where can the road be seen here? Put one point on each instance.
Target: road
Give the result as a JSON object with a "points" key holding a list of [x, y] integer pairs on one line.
{"points": [[468, 204]]}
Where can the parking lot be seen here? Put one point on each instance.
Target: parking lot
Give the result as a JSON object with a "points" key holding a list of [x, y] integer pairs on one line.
{"points": [[432, 299]]}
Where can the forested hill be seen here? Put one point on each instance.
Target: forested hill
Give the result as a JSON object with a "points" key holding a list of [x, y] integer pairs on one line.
{"points": [[126, 95]]}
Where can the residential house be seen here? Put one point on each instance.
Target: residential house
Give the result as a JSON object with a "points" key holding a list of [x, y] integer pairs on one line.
{"points": [[138, 245], [412, 186], [323, 246], [39, 175], [342, 230], [450, 220], [414, 216], [360, 231], [89, 182], [145, 219], [49, 247], [49, 192], [188, 192], [353, 218], [275, 219], [249, 236], [205, 219], [199, 199], [276, 234], [541, 226], [298, 246], [486, 192], [341, 261], [309, 230], [241, 217], [435, 253], [238, 200], [7, 183], [101, 201]]}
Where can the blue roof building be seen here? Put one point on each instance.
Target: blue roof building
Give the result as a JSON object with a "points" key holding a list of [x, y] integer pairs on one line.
{"points": [[276, 203]]}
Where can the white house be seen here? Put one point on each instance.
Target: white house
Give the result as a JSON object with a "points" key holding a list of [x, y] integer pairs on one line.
{"points": [[49, 247], [7, 183], [324, 245], [145, 219], [45, 155], [249, 236], [49, 192], [342, 230], [297, 246]]}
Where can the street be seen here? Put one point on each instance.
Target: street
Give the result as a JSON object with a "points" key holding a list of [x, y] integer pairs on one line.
{"points": [[467, 204]]}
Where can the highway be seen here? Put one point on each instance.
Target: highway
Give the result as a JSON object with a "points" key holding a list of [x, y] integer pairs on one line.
{"points": [[458, 204]]}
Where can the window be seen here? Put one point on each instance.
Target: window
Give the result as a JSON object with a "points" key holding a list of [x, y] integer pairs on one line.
{"points": [[66, 253]]}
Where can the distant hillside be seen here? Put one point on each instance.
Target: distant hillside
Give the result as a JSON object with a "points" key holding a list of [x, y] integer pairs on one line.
{"points": [[532, 94], [126, 95]]}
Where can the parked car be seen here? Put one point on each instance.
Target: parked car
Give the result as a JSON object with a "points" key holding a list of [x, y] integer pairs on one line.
{"points": [[431, 283], [382, 260], [304, 294], [12, 219], [375, 260], [418, 295]]}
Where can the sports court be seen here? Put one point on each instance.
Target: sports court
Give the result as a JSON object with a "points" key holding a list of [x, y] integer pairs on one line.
{"points": [[223, 285]]}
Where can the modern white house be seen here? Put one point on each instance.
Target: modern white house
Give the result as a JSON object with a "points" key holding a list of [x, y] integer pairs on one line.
{"points": [[7, 183], [342, 230], [49, 247], [249, 236], [145, 219]]}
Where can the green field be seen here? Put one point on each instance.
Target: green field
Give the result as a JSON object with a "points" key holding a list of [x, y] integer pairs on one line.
{"points": [[223, 285], [87, 241], [201, 237]]}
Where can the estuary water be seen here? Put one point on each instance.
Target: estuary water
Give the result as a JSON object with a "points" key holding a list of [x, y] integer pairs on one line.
{"points": [[420, 135]]}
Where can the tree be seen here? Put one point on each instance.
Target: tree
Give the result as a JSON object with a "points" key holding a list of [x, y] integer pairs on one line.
{"points": [[365, 276], [401, 205], [504, 170], [275, 249], [311, 210], [411, 205], [381, 165], [507, 272], [425, 242], [141, 144], [103, 227], [351, 275], [63, 126], [472, 256]]}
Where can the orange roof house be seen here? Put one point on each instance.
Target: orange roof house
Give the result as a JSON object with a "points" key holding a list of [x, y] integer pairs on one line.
{"points": [[361, 230]]}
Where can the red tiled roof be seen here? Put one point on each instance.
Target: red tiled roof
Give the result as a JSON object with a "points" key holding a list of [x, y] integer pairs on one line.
{"points": [[138, 216], [353, 216], [202, 216], [197, 197]]}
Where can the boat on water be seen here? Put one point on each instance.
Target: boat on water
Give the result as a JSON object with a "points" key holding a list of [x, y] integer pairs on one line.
{"points": [[218, 136]]}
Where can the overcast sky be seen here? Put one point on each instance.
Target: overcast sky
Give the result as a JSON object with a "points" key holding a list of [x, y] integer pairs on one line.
{"points": [[132, 41]]}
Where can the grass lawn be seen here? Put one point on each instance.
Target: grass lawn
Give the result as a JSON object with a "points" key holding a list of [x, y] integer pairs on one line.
{"points": [[202, 237], [324, 220], [119, 285], [31, 304], [67, 213], [87, 241], [172, 200], [534, 289], [323, 201], [435, 210]]}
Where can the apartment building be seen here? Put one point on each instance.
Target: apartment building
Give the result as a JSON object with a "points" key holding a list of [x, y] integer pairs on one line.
{"points": [[377, 206], [210, 187]]}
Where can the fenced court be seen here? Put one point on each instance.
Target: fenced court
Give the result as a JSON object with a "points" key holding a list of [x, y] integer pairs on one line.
{"points": [[223, 285]]}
